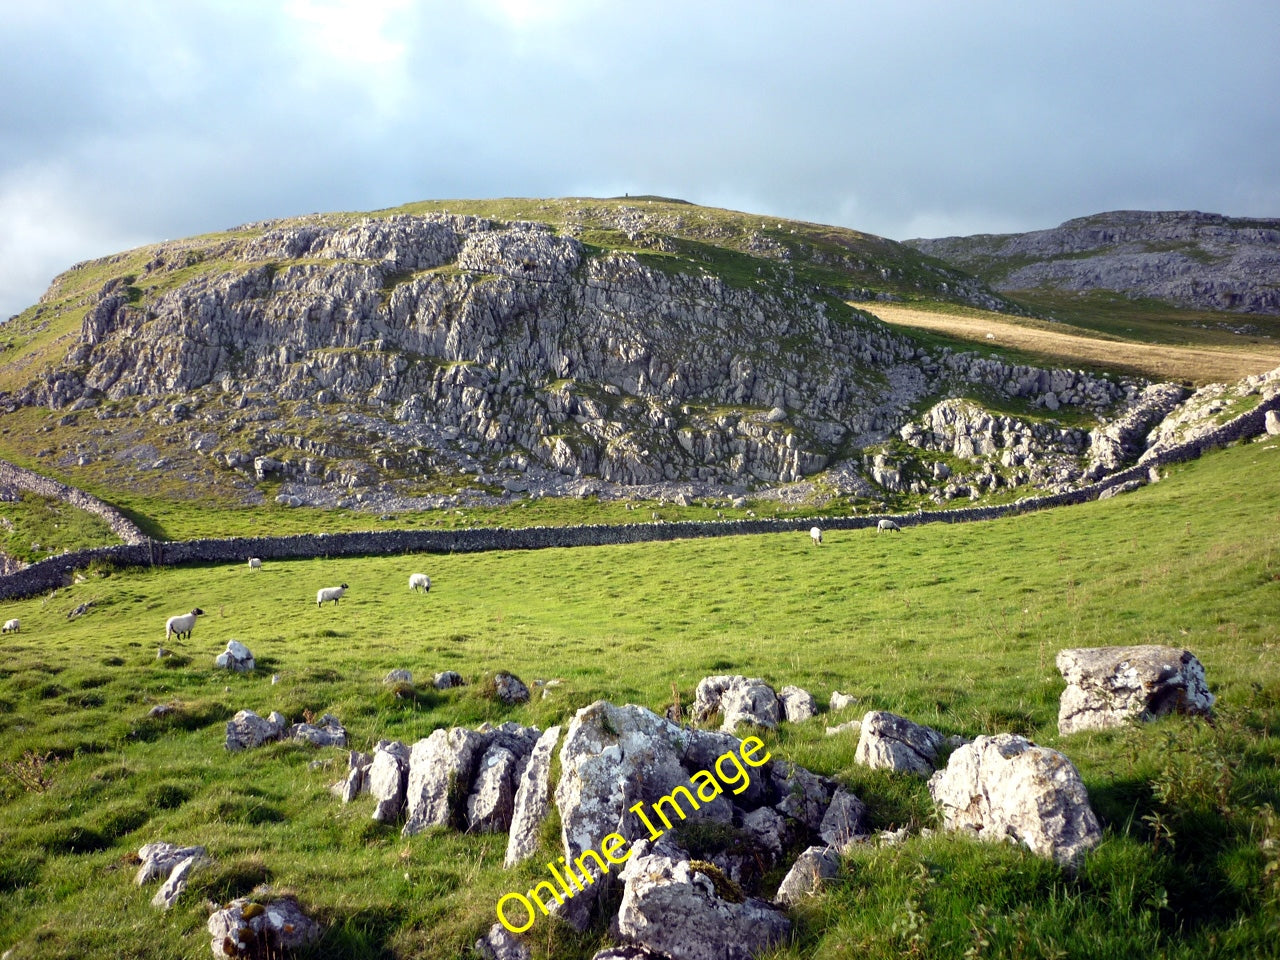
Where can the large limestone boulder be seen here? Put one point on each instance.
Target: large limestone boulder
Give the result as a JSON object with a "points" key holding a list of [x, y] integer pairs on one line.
{"points": [[1005, 787], [441, 767], [682, 909], [1108, 686], [890, 742], [530, 804]]}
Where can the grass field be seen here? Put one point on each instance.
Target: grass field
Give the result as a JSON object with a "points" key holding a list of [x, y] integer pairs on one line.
{"points": [[953, 626], [1147, 344]]}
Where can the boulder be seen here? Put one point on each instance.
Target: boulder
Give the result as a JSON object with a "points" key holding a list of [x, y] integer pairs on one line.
{"points": [[247, 730], [446, 679], [797, 704], [357, 781], [806, 875], [1108, 686], [398, 676], [388, 779], [248, 928], [492, 798], [1005, 787], [686, 911], [844, 821], [1271, 423], [890, 742], [236, 657], [529, 808], [509, 689], [501, 944], [327, 733], [440, 772], [739, 699]]}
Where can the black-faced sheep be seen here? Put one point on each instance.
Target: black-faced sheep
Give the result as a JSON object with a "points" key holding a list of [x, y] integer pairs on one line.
{"points": [[330, 593], [887, 524], [11, 626], [181, 625], [419, 581]]}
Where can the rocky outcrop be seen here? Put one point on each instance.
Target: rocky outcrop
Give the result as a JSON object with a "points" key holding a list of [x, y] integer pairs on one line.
{"points": [[1205, 411], [440, 771], [1200, 260], [1006, 788], [247, 730], [737, 699], [530, 803], [1111, 686]]}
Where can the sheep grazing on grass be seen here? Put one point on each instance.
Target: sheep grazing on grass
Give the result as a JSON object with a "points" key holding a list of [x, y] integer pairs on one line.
{"points": [[419, 581], [255, 563], [180, 626], [887, 524], [330, 593], [815, 534], [11, 626]]}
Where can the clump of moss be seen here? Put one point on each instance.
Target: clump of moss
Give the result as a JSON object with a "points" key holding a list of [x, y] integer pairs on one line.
{"points": [[726, 889]]}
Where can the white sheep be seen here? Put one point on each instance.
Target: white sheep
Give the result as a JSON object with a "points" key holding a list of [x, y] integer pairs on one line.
{"points": [[255, 563], [330, 593], [815, 534], [419, 581], [887, 524], [11, 626], [180, 626]]}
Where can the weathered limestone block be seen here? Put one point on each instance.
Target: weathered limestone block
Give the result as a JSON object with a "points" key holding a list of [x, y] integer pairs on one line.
{"points": [[173, 887], [236, 657], [245, 927], [797, 704], [492, 798], [500, 944], [388, 779], [1108, 686], [806, 875], [247, 730], [738, 699], [440, 771], [844, 821], [159, 859], [1006, 787], [890, 742], [672, 907], [329, 732], [530, 805]]}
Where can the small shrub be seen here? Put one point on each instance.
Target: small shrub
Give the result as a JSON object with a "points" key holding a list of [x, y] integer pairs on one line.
{"points": [[33, 772]]}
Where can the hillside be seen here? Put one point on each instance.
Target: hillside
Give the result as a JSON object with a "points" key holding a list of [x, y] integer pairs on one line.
{"points": [[1186, 259], [481, 353]]}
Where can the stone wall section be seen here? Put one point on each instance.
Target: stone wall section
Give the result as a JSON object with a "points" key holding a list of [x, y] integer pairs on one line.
{"points": [[51, 573], [14, 477]]}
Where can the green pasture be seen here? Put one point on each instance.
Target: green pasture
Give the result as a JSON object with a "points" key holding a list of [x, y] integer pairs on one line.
{"points": [[955, 626]]}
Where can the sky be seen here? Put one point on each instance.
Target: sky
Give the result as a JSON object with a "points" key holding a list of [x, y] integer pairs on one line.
{"points": [[124, 123]]}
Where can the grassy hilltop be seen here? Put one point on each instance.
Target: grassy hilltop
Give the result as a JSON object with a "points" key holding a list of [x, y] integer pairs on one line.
{"points": [[956, 627]]}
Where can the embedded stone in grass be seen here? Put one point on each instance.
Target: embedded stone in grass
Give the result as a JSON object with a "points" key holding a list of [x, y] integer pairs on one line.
{"points": [[387, 778], [247, 730], [841, 700], [506, 687], [845, 820], [738, 699], [446, 679], [1007, 788], [440, 772], [891, 742], [530, 804], [500, 944], [398, 676], [159, 859], [236, 657], [1108, 686], [173, 887], [327, 733], [246, 927]]}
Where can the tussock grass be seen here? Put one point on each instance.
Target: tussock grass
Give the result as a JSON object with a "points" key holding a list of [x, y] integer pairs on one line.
{"points": [[953, 626]]}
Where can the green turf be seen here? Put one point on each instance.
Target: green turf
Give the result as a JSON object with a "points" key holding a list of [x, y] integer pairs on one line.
{"points": [[954, 626]]}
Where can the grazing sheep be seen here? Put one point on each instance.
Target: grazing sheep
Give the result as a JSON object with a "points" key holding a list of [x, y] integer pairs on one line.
{"points": [[180, 626], [330, 593], [815, 534], [11, 626], [419, 581], [255, 563], [887, 524]]}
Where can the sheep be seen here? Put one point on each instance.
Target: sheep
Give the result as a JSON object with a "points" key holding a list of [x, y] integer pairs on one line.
{"points": [[11, 626], [419, 581], [815, 534], [255, 563], [330, 593], [180, 626], [887, 524]]}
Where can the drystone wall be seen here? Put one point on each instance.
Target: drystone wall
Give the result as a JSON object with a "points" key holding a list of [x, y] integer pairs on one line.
{"points": [[14, 477], [52, 572]]}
